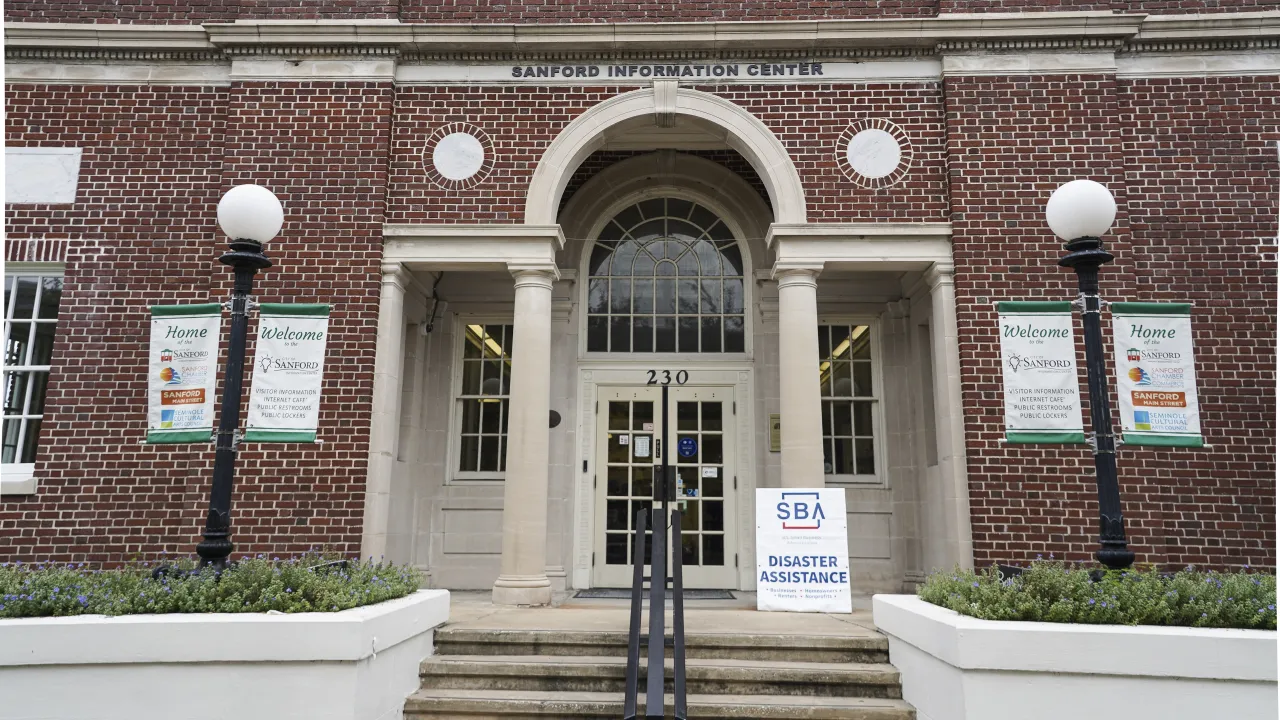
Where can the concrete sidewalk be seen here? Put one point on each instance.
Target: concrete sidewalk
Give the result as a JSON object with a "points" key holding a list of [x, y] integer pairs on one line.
{"points": [[474, 610]]}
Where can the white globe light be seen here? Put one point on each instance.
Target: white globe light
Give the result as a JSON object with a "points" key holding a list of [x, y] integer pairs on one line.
{"points": [[250, 212], [1081, 208]]}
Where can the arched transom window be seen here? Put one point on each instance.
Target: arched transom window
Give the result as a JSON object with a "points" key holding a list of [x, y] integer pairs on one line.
{"points": [[665, 276]]}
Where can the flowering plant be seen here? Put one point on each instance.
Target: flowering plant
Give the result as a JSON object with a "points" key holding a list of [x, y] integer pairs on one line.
{"points": [[306, 583], [1049, 591]]}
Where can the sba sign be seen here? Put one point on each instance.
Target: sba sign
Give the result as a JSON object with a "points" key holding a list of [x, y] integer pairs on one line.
{"points": [[802, 551]]}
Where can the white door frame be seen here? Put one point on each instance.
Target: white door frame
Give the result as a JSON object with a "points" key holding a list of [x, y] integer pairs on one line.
{"points": [[634, 372]]}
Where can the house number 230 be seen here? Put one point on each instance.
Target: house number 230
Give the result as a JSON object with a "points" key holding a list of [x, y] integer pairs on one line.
{"points": [[664, 377]]}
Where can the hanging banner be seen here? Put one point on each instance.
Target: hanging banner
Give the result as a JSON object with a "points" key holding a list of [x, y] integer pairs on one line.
{"points": [[182, 372], [1041, 384], [1156, 370], [288, 366], [802, 551]]}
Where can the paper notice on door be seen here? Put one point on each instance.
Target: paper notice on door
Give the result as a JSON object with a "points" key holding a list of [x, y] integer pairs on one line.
{"points": [[647, 427], [624, 439], [710, 472], [642, 446]]}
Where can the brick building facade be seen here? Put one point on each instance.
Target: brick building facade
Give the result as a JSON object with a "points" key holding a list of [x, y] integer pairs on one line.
{"points": [[583, 113]]}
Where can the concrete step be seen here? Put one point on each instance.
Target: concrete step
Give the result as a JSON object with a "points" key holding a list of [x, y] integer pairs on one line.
{"points": [[870, 648], [703, 676], [529, 705]]}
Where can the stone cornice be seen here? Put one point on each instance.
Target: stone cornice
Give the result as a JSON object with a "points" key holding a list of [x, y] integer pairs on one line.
{"points": [[947, 34], [795, 37]]}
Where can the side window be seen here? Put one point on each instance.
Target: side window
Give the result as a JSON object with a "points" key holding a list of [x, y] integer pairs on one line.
{"points": [[482, 397], [30, 321], [849, 401]]}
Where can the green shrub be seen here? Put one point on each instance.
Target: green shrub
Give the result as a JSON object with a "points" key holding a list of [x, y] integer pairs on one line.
{"points": [[308, 583], [1055, 592]]}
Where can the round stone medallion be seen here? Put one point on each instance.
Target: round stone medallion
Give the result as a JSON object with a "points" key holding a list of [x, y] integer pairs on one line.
{"points": [[874, 153], [458, 156]]}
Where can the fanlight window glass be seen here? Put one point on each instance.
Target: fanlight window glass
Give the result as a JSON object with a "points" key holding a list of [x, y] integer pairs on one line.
{"points": [[666, 276]]}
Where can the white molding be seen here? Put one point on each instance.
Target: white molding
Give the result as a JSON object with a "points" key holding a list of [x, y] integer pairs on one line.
{"points": [[744, 132], [471, 247], [1217, 64], [157, 73], [1210, 26], [1064, 62], [860, 246], [102, 37], [339, 69], [410, 72]]}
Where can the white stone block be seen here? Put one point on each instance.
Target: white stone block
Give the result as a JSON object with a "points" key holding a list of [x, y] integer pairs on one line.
{"points": [[41, 174]]}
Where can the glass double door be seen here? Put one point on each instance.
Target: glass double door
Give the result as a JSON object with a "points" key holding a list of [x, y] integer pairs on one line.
{"points": [[701, 424]]}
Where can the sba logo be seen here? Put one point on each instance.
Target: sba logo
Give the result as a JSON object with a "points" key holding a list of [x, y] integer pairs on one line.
{"points": [[800, 511]]}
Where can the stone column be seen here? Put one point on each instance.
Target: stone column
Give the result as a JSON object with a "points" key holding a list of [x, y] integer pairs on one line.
{"points": [[384, 425], [949, 416], [523, 579], [800, 402]]}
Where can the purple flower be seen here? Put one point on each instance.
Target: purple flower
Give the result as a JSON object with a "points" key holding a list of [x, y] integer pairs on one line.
{"points": [[1091, 601], [975, 584], [83, 600]]}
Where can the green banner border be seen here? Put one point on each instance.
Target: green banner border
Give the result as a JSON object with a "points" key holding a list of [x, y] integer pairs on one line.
{"points": [[182, 310], [1144, 308], [1050, 437], [1162, 440], [187, 435], [294, 309], [279, 435], [1043, 307]]}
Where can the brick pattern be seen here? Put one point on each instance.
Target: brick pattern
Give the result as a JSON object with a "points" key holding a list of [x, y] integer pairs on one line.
{"points": [[808, 120], [1012, 141], [1192, 164], [1155, 7], [322, 148], [1201, 174], [155, 164], [140, 234]]}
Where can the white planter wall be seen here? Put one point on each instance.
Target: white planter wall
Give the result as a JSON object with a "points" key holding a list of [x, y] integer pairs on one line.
{"points": [[960, 668], [357, 664]]}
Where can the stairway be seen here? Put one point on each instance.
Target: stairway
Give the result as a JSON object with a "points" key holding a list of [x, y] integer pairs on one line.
{"points": [[479, 674]]}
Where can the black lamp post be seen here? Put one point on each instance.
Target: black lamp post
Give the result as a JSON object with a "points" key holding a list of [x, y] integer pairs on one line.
{"points": [[1080, 212], [250, 215]]}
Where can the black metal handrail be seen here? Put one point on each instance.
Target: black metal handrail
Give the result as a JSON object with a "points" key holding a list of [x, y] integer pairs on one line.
{"points": [[655, 680]]}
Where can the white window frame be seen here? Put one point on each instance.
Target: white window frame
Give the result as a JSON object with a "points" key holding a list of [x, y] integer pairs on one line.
{"points": [[748, 280], [454, 474], [881, 475], [20, 478]]}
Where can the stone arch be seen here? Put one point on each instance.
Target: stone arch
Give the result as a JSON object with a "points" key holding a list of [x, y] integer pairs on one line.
{"points": [[744, 132]]}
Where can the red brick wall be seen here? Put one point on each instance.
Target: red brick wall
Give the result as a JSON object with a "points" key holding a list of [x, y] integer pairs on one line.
{"points": [[808, 120], [1202, 175], [1189, 161], [141, 233], [1012, 141], [144, 232]]}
